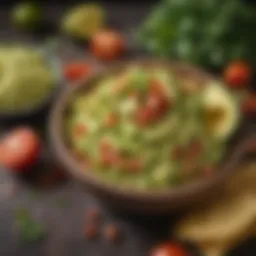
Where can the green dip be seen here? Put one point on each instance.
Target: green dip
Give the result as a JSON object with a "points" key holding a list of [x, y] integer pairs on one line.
{"points": [[26, 80], [143, 128]]}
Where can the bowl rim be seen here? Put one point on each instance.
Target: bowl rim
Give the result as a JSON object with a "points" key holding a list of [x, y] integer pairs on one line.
{"points": [[65, 157]]}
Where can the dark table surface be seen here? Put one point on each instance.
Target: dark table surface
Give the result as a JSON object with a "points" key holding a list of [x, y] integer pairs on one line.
{"points": [[62, 209]]}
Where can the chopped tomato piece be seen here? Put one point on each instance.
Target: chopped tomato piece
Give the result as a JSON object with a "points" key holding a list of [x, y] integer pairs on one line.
{"points": [[105, 146], [155, 108], [238, 74], [76, 70], [133, 165], [143, 116], [111, 120], [109, 156], [80, 130], [156, 88]]}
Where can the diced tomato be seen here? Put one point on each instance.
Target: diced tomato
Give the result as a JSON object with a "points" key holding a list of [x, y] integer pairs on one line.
{"points": [[109, 156], [249, 105], [20, 149], [133, 165], [111, 120], [156, 88], [238, 74], [77, 70], [80, 130], [143, 116], [155, 108]]}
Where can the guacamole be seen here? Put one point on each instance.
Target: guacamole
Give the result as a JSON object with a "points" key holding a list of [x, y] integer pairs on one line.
{"points": [[143, 128], [25, 78]]}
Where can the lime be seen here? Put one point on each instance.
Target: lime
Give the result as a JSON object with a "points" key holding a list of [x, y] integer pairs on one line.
{"points": [[83, 21], [27, 15]]}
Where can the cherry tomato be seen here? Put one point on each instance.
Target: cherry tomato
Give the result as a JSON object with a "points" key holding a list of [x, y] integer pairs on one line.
{"points": [[169, 249], [249, 105], [19, 149], [238, 74], [77, 70], [107, 45]]}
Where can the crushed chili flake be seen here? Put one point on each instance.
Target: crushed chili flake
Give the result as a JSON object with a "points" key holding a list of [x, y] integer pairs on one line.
{"points": [[91, 231], [93, 214], [111, 233]]}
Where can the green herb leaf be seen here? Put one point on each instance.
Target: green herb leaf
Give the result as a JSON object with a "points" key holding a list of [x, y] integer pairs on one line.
{"points": [[29, 229]]}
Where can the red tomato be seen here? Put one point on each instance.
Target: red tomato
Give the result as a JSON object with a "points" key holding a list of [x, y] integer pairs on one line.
{"points": [[238, 74], [169, 249], [143, 116], [107, 45], [76, 70], [111, 120], [249, 105], [155, 107], [19, 149], [80, 130], [109, 156]]}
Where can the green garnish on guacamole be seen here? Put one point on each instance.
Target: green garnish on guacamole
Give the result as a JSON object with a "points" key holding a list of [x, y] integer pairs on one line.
{"points": [[26, 80], [142, 128]]}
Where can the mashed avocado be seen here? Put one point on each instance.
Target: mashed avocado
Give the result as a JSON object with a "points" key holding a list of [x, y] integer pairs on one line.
{"points": [[140, 129], [25, 78]]}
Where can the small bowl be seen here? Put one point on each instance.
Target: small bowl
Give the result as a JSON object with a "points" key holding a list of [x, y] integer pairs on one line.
{"points": [[139, 201], [34, 111]]}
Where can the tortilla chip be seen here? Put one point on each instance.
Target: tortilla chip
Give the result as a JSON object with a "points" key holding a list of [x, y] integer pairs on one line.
{"points": [[226, 221], [221, 221], [215, 250]]}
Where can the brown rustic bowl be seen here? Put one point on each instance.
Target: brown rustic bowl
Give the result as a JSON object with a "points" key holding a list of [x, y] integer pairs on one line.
{"points": [[137, 201]]}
